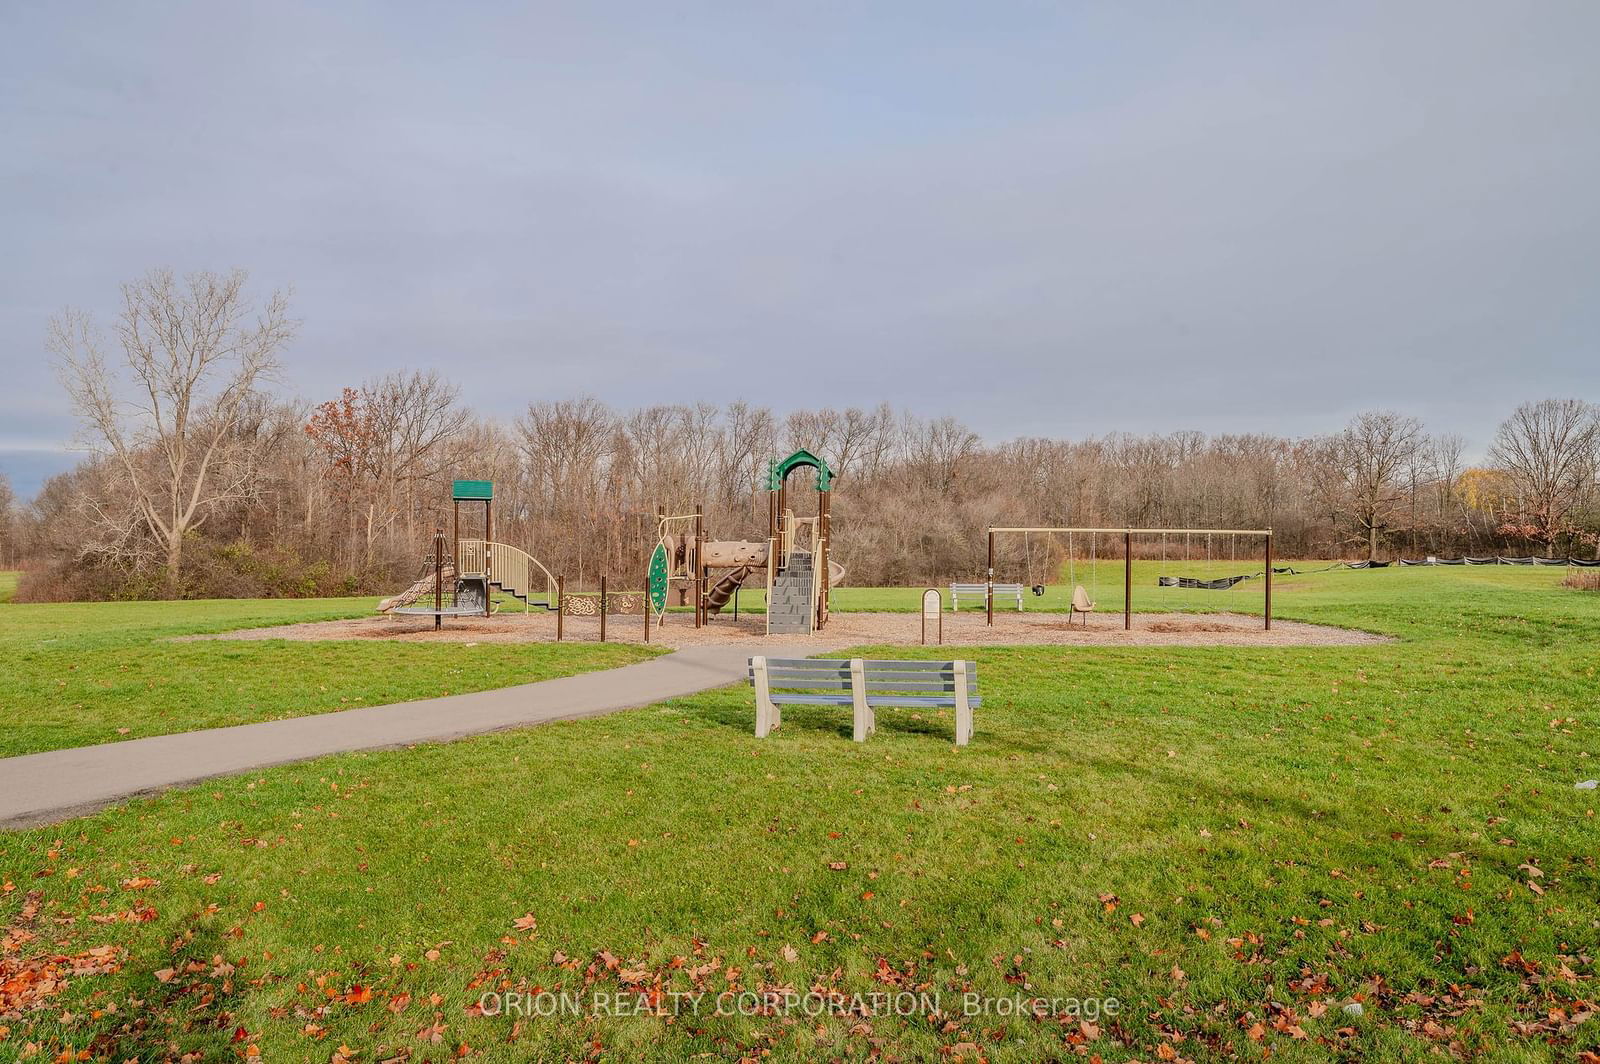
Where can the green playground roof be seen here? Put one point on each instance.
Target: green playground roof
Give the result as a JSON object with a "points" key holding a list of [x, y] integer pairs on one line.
{"points": [[472, 489], [777, 471]]}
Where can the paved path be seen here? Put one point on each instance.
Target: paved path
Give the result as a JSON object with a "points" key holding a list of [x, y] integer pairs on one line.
{"points": [[43, 788]]}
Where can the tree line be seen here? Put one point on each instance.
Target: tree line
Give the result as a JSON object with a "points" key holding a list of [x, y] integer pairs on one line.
{"points": [[204, 479]]}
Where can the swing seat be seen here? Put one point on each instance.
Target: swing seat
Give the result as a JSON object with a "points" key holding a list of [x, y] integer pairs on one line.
{"points": [[1081, 603]]}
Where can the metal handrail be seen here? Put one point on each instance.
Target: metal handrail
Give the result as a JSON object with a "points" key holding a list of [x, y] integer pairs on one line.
{"points": [[772, 558]]}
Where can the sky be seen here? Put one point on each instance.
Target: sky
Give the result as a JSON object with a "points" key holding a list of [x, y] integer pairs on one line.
{"points": [[1043, 218]]}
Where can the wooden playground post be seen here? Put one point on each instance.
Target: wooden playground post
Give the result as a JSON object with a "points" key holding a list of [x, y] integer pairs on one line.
{"points": [[988, 594], [438, 578], [488, 563], [699, 569], [561, 604], [823, 522], [602, 607], [1127, 580], [1267, 625]]}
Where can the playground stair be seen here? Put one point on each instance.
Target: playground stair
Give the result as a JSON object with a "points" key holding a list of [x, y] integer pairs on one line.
{"points": [[789, 608], [514, 572]]}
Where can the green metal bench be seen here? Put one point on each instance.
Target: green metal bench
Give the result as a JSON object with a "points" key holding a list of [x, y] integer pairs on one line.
{"points": [[865, 686]]}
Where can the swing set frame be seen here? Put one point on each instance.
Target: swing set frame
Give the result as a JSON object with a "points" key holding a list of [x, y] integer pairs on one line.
{"points": [[1127, 535]]}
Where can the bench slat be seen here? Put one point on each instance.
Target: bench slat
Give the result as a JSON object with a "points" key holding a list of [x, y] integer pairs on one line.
{"points": [[911, 665], [825, 683], [919, 700], [913, 685], [807, 663], [873, 684], [791, 699], [842, 665]]}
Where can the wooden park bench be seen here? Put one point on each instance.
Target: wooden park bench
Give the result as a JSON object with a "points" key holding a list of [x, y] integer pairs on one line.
{"points": [[864, 686], [977, 590]]}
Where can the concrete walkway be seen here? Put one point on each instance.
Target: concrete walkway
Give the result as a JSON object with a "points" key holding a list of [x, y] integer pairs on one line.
{"points": [[44, 788]]}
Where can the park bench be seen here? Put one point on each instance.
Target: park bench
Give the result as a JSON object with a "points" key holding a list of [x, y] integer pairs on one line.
{"points": [[971, 590], [865, 686]]}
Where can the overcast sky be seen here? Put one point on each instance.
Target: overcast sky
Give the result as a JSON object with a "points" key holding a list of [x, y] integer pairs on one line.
{"points": [[1048, 218]]}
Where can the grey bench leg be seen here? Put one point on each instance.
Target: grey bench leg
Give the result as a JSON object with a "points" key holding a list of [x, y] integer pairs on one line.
{"points": [[963, 707], [766, 712], [862, 718]]}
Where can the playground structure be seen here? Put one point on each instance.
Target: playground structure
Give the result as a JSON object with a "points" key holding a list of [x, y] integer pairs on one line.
{"points": [[1082, 600], [463, 583], [685, 565], [799, 573]]}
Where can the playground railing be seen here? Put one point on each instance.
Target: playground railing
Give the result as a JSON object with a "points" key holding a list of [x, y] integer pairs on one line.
{"points": [[816, 587], [772, 562], [474, 559], [518, 572]]}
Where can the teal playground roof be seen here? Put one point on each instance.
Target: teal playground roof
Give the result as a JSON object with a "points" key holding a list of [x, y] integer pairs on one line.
{"points": [[472, 489], [777, 472]]}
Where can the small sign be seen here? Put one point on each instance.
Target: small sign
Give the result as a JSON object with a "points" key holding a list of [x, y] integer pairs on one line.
{"points": [[932, 610]]}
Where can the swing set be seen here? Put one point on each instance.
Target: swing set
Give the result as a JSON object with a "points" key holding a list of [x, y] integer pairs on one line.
{"points": [[1082, 600]]}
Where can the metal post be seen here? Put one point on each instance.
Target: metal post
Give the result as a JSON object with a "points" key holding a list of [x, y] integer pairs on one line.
{"points": [[988, 594], [646, 607], [602, 607], [561, 605], [1267, 626], [438, 578], [1127, 581]]}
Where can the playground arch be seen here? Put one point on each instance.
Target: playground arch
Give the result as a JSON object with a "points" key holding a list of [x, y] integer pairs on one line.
{"points": [[779, 472]]}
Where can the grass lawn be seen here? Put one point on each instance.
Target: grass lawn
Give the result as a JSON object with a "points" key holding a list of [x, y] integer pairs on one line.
{"points": [[1234, 844], [81, 673], [8, 584]]}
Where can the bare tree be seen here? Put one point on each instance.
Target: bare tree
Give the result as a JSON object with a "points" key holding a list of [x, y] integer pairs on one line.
{"points": [[8, 524], [192, 354], [1444, 465], [384, 439], [1368, 459], [1549, 448]]}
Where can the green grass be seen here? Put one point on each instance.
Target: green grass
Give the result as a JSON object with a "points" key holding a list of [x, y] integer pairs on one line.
{"points": [[1294, 829], [8, 584], [82, 673]]}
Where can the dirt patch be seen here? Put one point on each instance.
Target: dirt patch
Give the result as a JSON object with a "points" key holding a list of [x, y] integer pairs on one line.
{"points": [[844, 629], [1197, 626]]}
